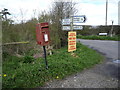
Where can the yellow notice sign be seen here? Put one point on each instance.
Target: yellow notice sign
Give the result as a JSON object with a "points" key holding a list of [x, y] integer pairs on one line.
{"points": [[71, 41]]}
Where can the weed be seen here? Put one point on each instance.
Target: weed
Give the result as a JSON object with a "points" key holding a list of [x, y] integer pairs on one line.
{"points": [[28, 59], [22, 73]]}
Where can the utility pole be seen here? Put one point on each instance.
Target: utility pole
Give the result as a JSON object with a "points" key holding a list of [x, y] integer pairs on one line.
{"points": [[119, 13], [111, 29], [106, 12]]}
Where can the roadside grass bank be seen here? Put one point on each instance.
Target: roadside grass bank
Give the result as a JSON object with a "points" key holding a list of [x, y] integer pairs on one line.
{"points": [[95, 37], [27, 72]]}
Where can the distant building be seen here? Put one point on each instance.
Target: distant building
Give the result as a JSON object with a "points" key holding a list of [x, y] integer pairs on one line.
{"points": [[119, 13]]}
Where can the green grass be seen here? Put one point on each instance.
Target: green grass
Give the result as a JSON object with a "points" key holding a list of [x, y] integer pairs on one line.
{"points": [[95, 37], [31, 74], [0, 76]]}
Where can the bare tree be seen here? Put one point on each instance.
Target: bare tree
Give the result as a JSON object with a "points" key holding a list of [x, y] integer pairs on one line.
{"points": [[61, 9]]}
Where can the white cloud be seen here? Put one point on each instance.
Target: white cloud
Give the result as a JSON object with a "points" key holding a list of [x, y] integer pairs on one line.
{"points": [[28, 7], [93, 9], [96, 11]]}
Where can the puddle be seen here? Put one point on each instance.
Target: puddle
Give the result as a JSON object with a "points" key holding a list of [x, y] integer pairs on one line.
{"points": [[116, 61]]}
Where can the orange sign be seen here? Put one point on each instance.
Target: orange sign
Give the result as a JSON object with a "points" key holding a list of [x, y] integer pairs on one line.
{"points": [[71, 41]]}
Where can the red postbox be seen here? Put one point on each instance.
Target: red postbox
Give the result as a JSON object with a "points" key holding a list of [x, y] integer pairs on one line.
{"points": [[42, 34]]}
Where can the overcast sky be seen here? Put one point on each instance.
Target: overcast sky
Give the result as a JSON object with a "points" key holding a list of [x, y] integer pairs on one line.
{"points": [[93, 9]]}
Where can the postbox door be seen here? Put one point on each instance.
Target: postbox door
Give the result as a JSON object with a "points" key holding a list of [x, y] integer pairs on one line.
{"points": [[42, 34]]}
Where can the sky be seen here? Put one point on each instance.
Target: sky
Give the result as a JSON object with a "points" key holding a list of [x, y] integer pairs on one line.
{"points": [[94, 10]]}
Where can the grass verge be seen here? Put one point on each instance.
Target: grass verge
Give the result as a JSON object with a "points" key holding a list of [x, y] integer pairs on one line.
{"points": [[27, 72], [95, 37]]}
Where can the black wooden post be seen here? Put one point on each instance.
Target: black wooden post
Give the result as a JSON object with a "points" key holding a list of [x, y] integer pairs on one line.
{"points": [[46, 63]]}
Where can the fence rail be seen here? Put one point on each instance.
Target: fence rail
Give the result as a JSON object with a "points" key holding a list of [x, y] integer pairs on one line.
{"points": [[13, 43]]}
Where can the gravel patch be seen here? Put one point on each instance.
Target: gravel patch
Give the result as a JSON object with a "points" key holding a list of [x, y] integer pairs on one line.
{"points": [[92, 78]]}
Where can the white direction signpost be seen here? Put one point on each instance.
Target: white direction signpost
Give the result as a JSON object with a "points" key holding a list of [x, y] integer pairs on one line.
{"points": [[68, 23], [79, 19], [77, 27], [67, 28]]}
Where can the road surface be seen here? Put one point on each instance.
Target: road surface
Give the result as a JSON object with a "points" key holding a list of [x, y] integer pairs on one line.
{"points": [[109, 48], [104, 75]]}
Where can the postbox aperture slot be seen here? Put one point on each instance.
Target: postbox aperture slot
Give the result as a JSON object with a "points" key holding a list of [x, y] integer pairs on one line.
{"points": [[44, 27]]}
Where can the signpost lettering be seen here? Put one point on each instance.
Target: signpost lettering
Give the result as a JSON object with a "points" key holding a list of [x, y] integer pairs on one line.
{"points": [[77, 27], [66, 28], [66, 21], [71, 41]]}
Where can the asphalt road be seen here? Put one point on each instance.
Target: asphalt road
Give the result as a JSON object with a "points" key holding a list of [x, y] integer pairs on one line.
{"points": [[104, 75], [109, 48]]}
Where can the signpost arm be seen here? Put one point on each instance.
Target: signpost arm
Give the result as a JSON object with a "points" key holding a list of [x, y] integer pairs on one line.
{"points": [[46, 63]]}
